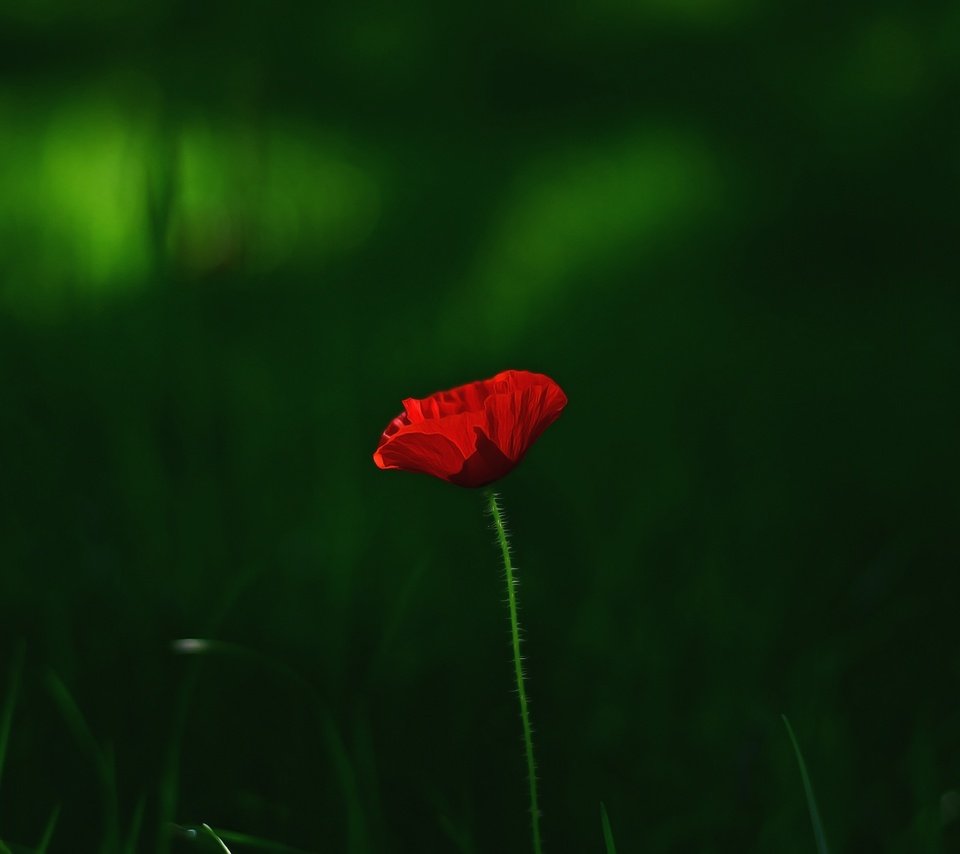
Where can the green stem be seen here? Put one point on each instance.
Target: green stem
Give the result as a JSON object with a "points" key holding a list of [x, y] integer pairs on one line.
{"points": [[498, 523]]}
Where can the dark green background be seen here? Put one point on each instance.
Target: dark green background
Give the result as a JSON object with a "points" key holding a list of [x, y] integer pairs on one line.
{"points": [[233, 237]]}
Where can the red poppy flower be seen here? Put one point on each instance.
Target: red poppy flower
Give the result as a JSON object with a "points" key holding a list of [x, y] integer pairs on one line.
{"points": [[474, 434]]}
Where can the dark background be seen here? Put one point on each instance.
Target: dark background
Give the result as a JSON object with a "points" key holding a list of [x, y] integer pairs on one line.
{"points": [[233, 237]]}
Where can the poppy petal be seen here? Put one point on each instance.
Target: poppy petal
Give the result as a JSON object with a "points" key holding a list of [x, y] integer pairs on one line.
{"points": [[515, 420], [474, 434], [430, 453], [487, 464], [454, 401]]}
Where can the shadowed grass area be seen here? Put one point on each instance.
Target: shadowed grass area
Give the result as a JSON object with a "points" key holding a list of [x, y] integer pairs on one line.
{"points": [[337, 751], [6, 722]]}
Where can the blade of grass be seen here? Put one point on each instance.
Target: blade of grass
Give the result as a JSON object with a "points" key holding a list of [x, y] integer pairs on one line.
{"points": [[607, 830], [458, 837], [926, 829], [808, 791], [103, 760], [184, 834], [10, 702], [135, 823], [168, 788], [209, 830], [51, 826], [258, 842], [245, 839]]}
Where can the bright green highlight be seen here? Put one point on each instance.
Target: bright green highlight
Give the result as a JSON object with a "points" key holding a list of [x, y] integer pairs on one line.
{"points": [[255, 842], [211, 832], [496, 511]]}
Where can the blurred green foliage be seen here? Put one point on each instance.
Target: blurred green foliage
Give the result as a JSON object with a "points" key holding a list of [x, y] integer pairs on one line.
{"points": [[234, 236]]}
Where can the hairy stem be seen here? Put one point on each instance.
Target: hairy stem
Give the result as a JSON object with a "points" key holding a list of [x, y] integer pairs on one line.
{"points": [[498, 523]]}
